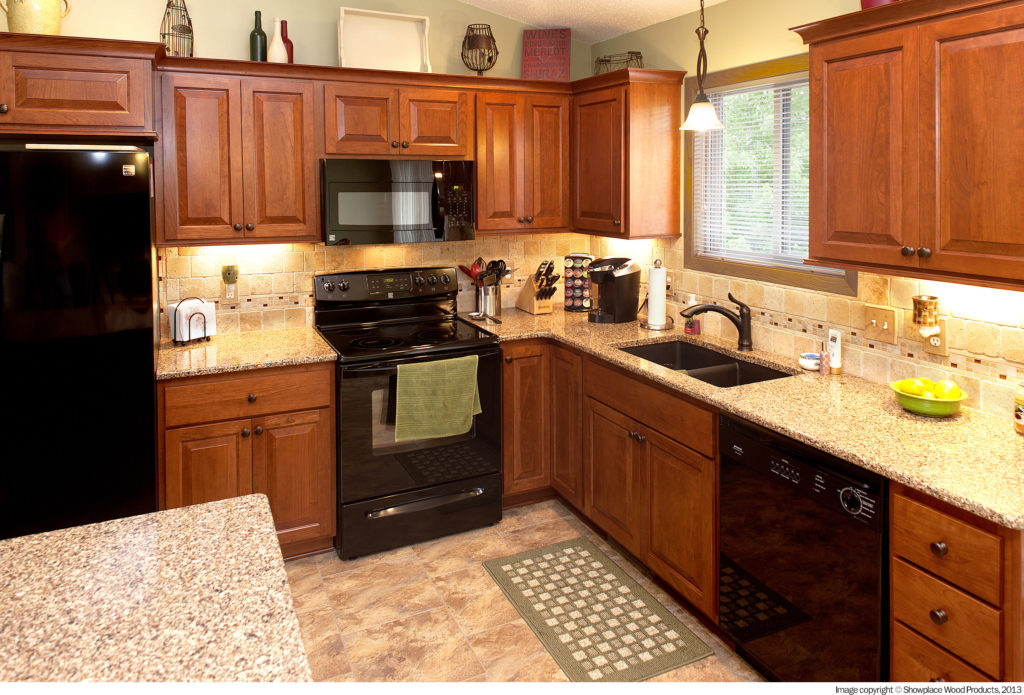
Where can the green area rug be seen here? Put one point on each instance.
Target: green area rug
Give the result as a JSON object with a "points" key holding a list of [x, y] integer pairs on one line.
{"points": [[596, 622]]}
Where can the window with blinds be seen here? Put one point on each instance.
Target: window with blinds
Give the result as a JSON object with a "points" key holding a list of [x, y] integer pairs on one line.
{"points": [[750, 180]]}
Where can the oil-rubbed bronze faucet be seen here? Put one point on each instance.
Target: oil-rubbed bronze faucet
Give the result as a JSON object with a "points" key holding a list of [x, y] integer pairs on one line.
{"points": [[741, 320]]}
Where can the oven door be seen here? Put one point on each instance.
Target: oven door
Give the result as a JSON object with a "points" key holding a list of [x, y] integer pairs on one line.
{"points": [[373, 465]]}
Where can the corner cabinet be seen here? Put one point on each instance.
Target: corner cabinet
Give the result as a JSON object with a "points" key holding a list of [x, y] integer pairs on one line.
{"points": [[916, 130], [626, 154], [526, 404], [238, 160], [268, 431]]}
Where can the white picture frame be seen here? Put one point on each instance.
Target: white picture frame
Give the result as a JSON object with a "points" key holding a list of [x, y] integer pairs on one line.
{"points": [[382, 40]]}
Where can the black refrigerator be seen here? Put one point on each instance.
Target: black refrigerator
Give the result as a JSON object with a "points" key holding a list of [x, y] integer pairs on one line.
{"points": [[77, 338]]}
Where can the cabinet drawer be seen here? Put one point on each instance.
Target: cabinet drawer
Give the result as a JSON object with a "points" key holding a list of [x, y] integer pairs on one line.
{"points": [[953, 549], [209, 399], [972, 629], [917, 660], [674, 417]]}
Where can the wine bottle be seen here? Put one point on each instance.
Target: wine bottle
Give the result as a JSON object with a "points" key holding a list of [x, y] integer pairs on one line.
{"points": [[258, 40], [276, 52], [289, 46]]}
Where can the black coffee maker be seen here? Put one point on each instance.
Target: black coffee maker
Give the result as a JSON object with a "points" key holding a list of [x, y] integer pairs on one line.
{"points": [[615, 284]]}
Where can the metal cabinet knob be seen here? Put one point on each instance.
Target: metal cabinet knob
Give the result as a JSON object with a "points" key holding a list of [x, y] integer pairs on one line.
{"points": [[252, 398], [508, 360], [908, 251], [924, 252], [521, 220], [3, 108], [258, 429], [616, 222], [405, 144], [937, 679], [641, 437], [394, 143], [632, 435], [938, 616], [939, 548], [238, 226], [245, 432], [250, 226], [529, 220]]}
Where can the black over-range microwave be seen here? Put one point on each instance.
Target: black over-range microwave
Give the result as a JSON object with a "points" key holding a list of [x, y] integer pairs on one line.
{"points": [[396, 201]]}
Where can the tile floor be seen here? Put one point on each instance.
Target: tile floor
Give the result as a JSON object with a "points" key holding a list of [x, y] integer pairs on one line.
{"points": [[430, 612]]}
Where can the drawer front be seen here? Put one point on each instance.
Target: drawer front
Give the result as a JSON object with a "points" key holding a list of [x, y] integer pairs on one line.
{"points": [[958, 552], [971, 630], [917, 660], [674, 417], [223, 398]]}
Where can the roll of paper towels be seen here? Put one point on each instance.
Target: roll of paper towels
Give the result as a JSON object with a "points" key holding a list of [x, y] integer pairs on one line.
{"points": [[657, 289]]}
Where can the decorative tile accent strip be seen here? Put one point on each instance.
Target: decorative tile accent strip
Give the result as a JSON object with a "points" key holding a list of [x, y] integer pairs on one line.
{"points": [[594, 620]]}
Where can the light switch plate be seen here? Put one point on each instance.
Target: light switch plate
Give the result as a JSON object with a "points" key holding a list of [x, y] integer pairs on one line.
{"points": [[937, 345], [880, 324]]}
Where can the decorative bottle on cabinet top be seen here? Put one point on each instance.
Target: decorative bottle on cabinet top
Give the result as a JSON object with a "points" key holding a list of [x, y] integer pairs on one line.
{"points": [[276, 52], [258, 40], [289, 46]]}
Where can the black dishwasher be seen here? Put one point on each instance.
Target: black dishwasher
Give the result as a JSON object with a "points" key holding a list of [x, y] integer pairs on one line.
{"points": [[803, 585]]}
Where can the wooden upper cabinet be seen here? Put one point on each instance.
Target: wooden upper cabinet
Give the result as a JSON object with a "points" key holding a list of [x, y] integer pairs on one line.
{"points": [[863, 139], [547, 162], [598, 166], [387, 121], [202, 158], [525, 417], [206, 463], [972, 140], [279, 159], [74, 91]]}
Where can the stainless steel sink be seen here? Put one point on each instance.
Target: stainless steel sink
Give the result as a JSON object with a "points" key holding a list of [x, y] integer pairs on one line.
{"points": [[705, 365]]}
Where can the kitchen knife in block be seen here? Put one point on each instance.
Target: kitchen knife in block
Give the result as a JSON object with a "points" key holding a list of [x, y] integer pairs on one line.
{"points": [[528, 301]]}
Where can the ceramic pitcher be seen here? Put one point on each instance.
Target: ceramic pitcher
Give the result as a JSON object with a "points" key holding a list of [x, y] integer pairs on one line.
{"points": [[35, 16]]}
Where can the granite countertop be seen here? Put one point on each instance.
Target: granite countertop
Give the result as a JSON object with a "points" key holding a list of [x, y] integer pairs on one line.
{"points": [[973, 460], [235, 352], [191, 594]]}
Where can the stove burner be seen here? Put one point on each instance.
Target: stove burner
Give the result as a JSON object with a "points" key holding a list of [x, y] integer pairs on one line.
{"points": [[433, 335], [375, 343]]}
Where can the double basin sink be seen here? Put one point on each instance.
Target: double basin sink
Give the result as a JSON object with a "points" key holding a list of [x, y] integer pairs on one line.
{"points": [[706, 365]]}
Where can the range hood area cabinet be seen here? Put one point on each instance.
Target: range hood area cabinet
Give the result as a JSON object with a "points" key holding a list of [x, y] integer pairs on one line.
{"points": [[238, 160], [917, 125]]}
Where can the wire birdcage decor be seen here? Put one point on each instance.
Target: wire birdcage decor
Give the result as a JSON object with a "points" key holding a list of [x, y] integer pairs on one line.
{"points": [[479, 51], [176, 30], [617, 61]]}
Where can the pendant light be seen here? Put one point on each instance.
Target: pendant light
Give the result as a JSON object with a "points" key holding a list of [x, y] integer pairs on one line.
{"points": [[702, 114]]}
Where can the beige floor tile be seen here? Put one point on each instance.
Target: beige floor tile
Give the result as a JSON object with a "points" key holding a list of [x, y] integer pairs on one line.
{"points": [[380, 593], [530, 515], [539, 535], [311, 600], [475, 600], [303, 576], [330, 564], [324, 648], [454, 553], [424, 647], [512, 652], [709, 670]]}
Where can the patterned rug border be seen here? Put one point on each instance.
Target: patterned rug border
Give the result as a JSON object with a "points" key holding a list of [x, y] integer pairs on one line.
{"points": [[695, 651]]}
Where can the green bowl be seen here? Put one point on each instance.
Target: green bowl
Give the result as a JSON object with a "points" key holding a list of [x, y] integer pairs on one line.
{"points": [[932, 407]]}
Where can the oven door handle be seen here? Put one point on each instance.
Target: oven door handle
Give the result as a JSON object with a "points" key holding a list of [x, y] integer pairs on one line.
{"points": [[391, 365], [423, 505]]}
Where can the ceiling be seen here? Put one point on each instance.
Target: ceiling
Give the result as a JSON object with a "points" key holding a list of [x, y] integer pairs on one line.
{"points": [[591, 21]]}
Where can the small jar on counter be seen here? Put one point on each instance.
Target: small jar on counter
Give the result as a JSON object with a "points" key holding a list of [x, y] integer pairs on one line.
{"points": [[1018, 409]]}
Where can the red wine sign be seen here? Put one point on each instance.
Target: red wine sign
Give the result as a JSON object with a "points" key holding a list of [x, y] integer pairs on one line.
{"points": [[546, 54]]}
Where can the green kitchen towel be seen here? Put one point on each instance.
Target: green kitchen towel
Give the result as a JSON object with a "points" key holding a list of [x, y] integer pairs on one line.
{"points": [[436, 399]]}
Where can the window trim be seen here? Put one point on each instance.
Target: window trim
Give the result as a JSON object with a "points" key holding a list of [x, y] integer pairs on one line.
{"points": [[845, 284]]}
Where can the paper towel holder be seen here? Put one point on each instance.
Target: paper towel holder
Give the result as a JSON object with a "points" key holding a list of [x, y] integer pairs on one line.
{"points": [[669, 322]]}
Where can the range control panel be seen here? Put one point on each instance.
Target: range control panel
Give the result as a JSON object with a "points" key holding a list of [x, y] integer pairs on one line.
{"points": [[384, 284]]}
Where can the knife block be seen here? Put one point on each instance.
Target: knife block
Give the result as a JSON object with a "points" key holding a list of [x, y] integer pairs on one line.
{"points": [[528, 301]]}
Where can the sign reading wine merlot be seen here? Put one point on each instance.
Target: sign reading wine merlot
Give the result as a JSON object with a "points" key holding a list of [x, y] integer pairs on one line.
{"points": [[546, 54]]}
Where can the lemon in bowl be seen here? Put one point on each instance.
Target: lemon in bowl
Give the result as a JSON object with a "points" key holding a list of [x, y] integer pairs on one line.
{"points": [[925, 397]]}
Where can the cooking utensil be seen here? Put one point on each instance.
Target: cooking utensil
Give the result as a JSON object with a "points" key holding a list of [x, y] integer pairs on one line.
{"points": [[480, 262], [468, 271], [477, 316]]}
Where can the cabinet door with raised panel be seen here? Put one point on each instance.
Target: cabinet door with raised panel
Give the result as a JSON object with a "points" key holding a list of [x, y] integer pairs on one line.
{"points": [[567, 425], [293, 464], [435, 122], [864, 123], [279, 160], [683, 516], [547, 186], [525, 419], [500, 175], [361, 119], [972, 137], [202, 158], [616, 476], [206, 463], [599, 160]]}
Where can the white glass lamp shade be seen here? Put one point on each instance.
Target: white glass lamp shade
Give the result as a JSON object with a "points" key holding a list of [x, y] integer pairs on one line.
{"points": [[702, 115]]}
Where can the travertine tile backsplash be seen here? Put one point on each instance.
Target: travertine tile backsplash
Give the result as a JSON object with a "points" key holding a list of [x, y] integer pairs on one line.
{"points": [[985, 327]]}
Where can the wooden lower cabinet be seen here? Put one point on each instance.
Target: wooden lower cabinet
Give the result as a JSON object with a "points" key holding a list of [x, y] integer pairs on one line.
{"points": [[285, 449], [567, 425], [525, 417]]}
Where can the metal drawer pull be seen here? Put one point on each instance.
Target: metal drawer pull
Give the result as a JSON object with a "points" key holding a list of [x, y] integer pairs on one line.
{"points": [[424, 505], [938, 616], [252, 398], [939, 548], [937, 679]]}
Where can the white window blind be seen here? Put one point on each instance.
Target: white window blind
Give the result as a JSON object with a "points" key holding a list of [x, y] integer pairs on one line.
{"points": [[750, 180]]}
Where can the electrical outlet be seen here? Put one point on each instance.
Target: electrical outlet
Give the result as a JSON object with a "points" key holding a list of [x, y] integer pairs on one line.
{"points": [[880, 324], [936, 344]]}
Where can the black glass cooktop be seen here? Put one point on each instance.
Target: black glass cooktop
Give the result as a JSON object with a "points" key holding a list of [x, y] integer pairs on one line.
{"points": [[364, 343]]}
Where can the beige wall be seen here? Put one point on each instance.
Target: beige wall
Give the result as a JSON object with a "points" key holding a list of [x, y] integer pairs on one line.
{"points": [[222, 28]]}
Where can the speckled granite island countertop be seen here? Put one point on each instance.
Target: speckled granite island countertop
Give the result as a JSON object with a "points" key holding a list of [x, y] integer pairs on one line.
{"points": [[973, 460], [237, 352], [191, 594]]}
